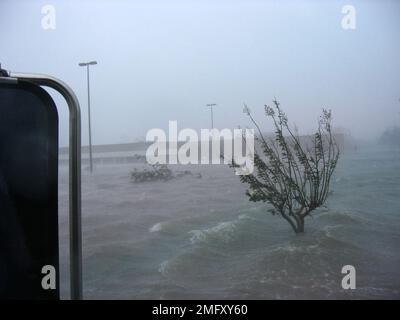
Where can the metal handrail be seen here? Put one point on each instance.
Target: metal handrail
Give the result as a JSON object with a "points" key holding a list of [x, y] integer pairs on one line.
{"points": [[75, 227]]}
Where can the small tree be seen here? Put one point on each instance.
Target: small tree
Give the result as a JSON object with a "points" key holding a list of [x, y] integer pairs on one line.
{"points": [[292, 173]]}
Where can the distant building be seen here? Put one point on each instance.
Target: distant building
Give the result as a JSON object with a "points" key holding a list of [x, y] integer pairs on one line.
{"points": [[391, 136]]}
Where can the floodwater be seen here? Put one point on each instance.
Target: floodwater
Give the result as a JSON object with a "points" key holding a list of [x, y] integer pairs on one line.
{"points": [[198, 236]]}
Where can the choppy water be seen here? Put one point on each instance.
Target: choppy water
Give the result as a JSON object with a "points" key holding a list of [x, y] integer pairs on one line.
{"points": [[200, 238]]}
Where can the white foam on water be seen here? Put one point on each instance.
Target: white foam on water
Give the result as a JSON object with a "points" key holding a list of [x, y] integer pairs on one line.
{"points": [[244, 217], [163, 267], [157, 227], [223, 231]]}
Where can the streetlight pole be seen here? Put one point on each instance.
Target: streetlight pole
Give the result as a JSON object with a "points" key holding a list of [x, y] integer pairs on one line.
{"points": [[211, 105], [87, 64]]}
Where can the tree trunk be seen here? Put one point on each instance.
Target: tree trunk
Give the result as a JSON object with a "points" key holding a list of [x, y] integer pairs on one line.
{"points": [[300, 225], [296, 221]]}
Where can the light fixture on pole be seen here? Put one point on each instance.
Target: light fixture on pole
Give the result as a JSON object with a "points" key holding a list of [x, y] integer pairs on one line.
{"points": [[87, 64], [211, 105]]}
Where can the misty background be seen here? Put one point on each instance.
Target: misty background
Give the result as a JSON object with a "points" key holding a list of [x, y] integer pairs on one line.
{"points": [[196, 235], [164, 60]]}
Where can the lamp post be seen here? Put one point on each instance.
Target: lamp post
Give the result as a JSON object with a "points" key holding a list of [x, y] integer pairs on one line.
{"points": [[87, 65], [211, 105]]}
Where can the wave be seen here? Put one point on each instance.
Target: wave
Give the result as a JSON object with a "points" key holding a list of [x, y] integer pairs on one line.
{"points": [[157, 227], [345, 218], [223, 231]]}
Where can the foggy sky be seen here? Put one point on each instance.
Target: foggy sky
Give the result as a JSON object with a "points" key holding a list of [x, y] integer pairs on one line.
{"points": [[164, 60]]}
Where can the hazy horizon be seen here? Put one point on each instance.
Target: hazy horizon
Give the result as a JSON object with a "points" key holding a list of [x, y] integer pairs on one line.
{"points": [[161, 61]]}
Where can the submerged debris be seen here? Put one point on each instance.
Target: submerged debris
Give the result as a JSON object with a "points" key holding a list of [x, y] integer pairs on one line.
{"points": [[158, 172]]}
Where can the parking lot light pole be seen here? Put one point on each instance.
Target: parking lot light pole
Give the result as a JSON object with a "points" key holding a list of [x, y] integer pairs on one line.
{"points": [[87, 65]]}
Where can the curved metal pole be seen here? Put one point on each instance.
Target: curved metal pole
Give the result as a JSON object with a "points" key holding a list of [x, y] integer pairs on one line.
{"points": [[75, 228]]}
